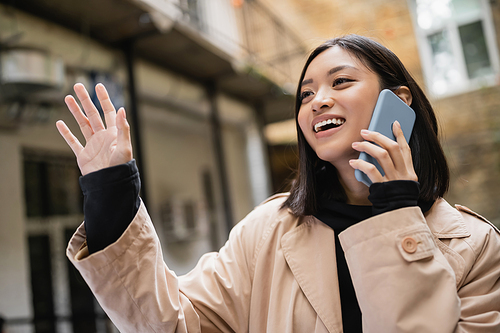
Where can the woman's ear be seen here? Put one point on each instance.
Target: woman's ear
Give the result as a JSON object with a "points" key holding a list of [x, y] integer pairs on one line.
{"points": [[404, 93]]}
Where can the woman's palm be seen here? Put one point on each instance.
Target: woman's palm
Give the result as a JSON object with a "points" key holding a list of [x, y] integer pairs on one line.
{"points": [[105, 146]]}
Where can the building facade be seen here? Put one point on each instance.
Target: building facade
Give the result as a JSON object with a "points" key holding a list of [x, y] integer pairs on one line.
{"points": [[197, 97], [451, 48], [201, 82]]}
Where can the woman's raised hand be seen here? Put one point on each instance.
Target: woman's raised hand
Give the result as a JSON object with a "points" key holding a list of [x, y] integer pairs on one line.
{"points": [[393, 156], [106, 145]]}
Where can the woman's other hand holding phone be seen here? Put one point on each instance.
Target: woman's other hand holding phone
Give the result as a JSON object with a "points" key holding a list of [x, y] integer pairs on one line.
{"points": [[106, 144], [394, 156]]}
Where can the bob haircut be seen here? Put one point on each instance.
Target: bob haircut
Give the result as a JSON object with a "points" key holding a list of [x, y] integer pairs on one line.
{"points": [[316, 179]]}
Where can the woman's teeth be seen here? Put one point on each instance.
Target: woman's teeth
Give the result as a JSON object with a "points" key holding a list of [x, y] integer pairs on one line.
{"points": [[327, 124]]}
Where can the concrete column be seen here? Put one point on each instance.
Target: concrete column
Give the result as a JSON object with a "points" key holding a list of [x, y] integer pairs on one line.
{"points": [[258, 164], [219, 155]]}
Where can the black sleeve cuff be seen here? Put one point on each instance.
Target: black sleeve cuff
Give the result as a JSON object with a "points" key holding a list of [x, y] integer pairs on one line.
{"points": [[111, 200], [392, 195]]}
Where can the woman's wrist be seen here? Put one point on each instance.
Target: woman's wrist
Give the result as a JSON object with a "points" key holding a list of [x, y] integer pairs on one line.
{"points": [[395, 194]]}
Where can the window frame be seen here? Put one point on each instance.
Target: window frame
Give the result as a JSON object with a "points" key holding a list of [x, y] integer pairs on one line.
{"points": [[452, 25]]}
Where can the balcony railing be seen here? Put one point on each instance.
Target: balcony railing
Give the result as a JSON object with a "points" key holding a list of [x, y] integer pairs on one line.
{"points": [[249, 31]]}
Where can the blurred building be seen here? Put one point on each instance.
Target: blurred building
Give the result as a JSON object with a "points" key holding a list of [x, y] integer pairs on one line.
{"points": [[451, 48], [208, 90], [199, 83]]}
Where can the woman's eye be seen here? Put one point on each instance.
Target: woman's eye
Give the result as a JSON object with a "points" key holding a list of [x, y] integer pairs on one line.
{"points": [[340, 80], [305, 94]]}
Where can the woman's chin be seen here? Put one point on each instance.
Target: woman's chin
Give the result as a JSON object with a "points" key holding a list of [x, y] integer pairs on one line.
{"points": [[337, 159]]}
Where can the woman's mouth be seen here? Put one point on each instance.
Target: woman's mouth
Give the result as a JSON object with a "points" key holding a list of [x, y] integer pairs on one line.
{"points": [[327, 124]]}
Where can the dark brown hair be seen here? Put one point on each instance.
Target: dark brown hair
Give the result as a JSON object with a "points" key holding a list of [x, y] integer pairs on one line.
{"points": [[316, 178]]}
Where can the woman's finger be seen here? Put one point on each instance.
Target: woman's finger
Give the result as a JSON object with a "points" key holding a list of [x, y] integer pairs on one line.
{"points": [[369, 169], [79, 116], [382, 155], [403, 145], [89, 107], [390, 146], [70, 139], [106, 104], [123, 137]]}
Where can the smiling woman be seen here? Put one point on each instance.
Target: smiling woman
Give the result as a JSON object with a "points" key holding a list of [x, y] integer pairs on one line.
{"points": [[331, 88], [345, 69], [333, 255]]}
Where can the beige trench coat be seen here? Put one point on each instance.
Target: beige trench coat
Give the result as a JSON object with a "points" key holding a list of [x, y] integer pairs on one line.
{"points": [[277, 273]]}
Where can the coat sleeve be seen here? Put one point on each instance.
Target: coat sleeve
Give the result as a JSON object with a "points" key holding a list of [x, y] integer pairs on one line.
{"points": [[403, 282], [479, 287], [140, 294]]}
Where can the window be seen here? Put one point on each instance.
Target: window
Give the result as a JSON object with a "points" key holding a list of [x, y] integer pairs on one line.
{"points": [[191, 13], [457, 44], [62, 302], [179, 219], [83, 314], [51, 185], [41, 284]]}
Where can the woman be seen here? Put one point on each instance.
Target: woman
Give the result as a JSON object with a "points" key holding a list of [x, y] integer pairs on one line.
{"points": [[331, 256]]}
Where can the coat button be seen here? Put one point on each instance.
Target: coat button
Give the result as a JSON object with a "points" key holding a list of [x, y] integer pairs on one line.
{"points": [[409, 244]]}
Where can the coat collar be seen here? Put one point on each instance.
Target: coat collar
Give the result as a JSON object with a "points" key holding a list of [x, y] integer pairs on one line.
{"points": [[445, 221], [309, 248], [305, 252]]}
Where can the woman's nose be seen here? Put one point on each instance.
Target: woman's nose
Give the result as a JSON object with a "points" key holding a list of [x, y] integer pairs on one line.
{"points": [[322, 101]]}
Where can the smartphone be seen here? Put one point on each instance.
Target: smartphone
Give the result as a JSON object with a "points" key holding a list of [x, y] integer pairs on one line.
{"points": [[388, 109]]}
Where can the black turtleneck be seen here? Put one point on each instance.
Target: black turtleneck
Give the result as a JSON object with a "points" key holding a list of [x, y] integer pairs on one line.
{"points": [[110, 202], [339, 216]]}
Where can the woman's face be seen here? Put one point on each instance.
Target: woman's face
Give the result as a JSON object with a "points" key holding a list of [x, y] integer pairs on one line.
{"points": [[338, 95]]}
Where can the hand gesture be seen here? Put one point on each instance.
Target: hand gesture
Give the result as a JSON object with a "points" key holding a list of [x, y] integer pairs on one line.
{"points": [[105, 146], [393, 156]]}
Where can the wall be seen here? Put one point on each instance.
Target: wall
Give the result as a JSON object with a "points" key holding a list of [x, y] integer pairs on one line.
{"points": [[471, 137], [469, 121], [178, 148], [14, 275], [387, 21], [77, 51]]}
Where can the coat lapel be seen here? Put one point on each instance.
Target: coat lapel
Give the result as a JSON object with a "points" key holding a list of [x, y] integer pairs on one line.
{"points": [[309, 250]]}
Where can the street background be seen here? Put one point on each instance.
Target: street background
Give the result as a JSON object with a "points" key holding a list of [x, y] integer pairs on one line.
{"points": [[208, 87]]}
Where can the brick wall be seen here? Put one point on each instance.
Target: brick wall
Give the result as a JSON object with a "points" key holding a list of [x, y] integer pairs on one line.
{"points": [[387, 21], [471, 139]]}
